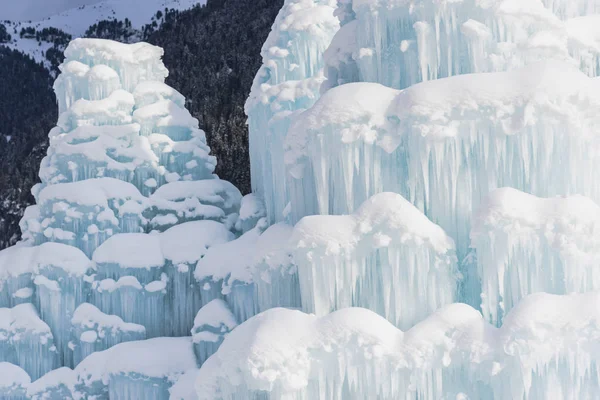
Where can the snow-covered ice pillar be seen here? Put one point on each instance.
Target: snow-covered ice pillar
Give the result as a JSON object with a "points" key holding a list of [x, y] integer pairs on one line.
{"points": [[526, 244], [445, 144], [128, 181], [287, 82], [148, 279], [387, 257]]}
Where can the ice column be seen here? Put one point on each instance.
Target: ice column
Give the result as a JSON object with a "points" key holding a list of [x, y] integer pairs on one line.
{"points": [[287, 82]]}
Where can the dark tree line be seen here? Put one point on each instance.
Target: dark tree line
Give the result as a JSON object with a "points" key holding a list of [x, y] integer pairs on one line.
{"points": [[212, 53], [5, 37], [27, 112]]}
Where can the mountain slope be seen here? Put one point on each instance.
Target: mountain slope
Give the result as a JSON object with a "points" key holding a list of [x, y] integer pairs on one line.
{"points": [[77, 20]]}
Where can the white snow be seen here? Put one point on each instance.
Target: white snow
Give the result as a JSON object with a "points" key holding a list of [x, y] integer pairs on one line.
{"points": [[60, 376], [184, 388], [215, 314], [156, 358], [18, 260], [12, 375], [131, 250], [186, 242], [23, 318], [240, 260], [90, 192], [89, 316]]}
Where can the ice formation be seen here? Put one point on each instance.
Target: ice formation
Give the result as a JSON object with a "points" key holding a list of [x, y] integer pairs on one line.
{"points": [[287, 83], [407, 157], [525, 244], [212, 324], [387, 257], [541, 351], [127, 206]]}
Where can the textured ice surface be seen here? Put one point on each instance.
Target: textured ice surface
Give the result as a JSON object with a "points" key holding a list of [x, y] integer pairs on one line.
{"points": [[212, 324], [526, 244], [94, 330], [128, 182], [387, 257], [287, 82], [253, 273], [355, 354], [26, 340], [446, 143], [400, 43]]}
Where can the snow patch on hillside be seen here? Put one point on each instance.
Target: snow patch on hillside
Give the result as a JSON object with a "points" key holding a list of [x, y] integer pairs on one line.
{"points": [[78, 19]]}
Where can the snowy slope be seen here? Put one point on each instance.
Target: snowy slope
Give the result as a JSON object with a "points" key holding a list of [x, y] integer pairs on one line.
{"points": [[75, 21]]}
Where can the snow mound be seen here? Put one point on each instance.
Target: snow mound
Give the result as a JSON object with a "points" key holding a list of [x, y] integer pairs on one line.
{"points": [[89, 316], [212, 324], [19, 260], [12, 377], [58, 383], [184, 388], [156, 358], [235, 261], [183, 243]]}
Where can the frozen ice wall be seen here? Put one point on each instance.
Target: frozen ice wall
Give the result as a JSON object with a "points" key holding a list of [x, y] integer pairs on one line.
{"points": [[402, 43], [526, 244], [445, 144], [287, 83]]}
